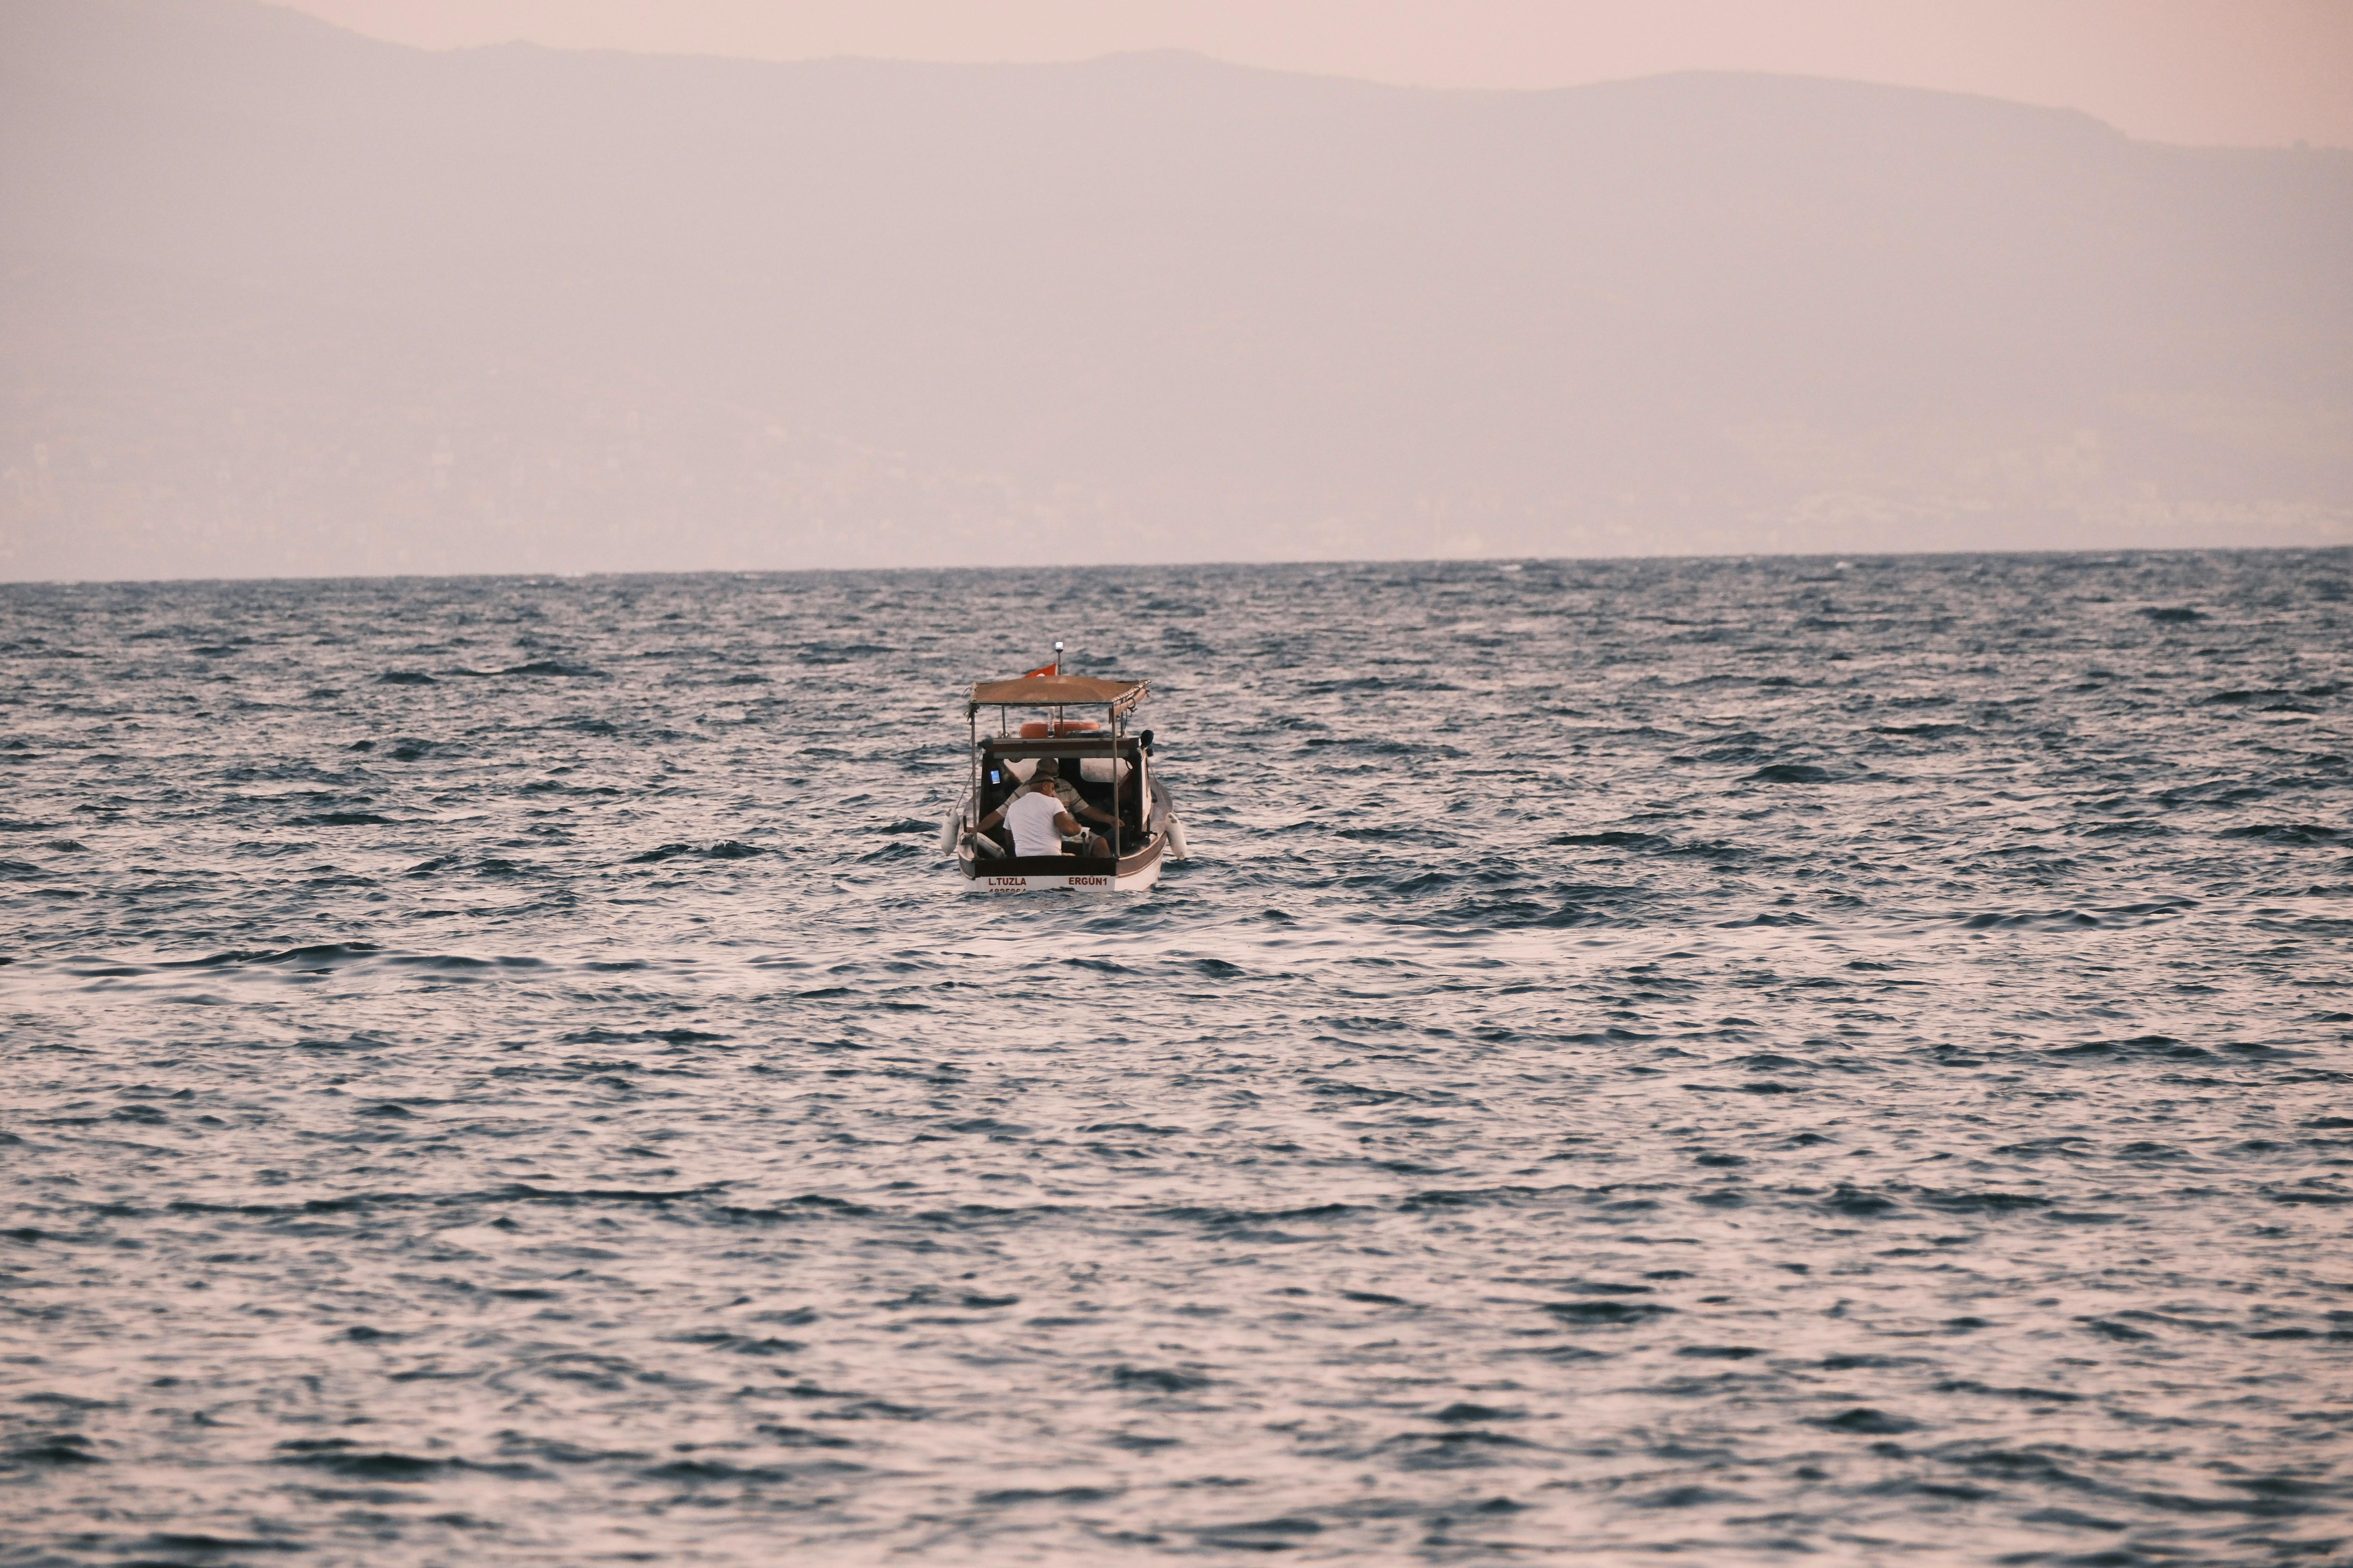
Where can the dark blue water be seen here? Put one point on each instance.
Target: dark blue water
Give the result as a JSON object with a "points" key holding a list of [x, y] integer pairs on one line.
{"points": [[1743, 1058]]}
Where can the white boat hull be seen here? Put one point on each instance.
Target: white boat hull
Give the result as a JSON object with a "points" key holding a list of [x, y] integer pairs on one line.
{"points": [[980, 879]]}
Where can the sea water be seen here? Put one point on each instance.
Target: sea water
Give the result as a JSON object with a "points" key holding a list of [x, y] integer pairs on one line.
{"points": [[1744, 1058]]}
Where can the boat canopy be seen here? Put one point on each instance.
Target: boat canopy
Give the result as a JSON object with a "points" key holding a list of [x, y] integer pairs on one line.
{"points": [[1059, 691]]}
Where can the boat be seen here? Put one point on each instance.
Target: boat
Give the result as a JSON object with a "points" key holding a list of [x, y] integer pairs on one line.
{"points": [[1046, 713]]}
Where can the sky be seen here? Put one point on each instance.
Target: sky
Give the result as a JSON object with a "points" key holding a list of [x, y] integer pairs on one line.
{"points": [[2208, 72], [284, 302]]}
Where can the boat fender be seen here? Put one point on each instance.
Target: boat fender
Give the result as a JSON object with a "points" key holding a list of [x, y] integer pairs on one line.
{"points": [[1176, 837], [951, 828], [1105, 770], [986, 848]]}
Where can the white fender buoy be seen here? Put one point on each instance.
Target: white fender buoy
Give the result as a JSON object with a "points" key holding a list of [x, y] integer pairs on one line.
{"points": [[950, 826], [1176, 837]]}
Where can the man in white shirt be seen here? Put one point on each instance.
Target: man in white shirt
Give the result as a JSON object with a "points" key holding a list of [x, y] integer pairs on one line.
{"points": [[1038, 819]]}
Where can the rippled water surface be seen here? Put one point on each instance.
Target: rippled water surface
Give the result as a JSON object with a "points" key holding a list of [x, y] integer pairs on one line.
{"points": [[1749, 1058]]}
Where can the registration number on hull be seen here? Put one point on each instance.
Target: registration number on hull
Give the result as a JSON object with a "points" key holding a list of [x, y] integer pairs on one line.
{"points": [[1023, 884]]}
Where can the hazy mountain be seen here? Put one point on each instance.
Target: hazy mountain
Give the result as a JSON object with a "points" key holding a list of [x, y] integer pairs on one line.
{"points": [[284, 299]]}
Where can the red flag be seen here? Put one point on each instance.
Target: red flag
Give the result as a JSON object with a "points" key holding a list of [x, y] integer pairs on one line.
{"points": [[1044, 671]]}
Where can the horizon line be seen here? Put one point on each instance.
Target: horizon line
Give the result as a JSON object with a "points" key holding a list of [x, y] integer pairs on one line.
{"points": [[1844, 557]]}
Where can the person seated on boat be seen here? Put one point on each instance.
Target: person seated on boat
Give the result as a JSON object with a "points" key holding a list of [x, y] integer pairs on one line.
{"points": [[1069, 793], [1041, 818]]}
